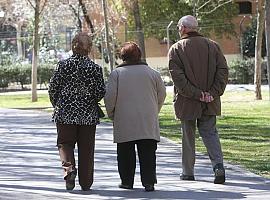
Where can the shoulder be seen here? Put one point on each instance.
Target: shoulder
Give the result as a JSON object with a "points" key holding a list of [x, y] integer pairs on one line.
{"points": [[93, 64], [214, 43]]}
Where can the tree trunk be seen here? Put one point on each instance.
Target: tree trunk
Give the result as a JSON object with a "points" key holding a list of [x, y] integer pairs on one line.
{"points": [[19, 40], [86, 17], [139, 29], [258, 50], [77, 15], [267, 34], [35, 52], [107, 34]]}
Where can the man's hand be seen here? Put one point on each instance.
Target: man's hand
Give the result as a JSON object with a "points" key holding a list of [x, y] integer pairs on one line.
{"points": [[206, 97]]}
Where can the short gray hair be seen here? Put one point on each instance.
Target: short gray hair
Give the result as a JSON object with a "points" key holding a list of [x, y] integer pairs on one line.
{"points": [[188, 21]]}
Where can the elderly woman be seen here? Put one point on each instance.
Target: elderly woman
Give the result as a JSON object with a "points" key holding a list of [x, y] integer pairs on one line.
{"points": [[75, 88], [133, 99]]}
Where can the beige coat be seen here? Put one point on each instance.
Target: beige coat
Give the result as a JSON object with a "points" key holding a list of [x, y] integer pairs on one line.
{"points": [[197, 64], [133, 99]]}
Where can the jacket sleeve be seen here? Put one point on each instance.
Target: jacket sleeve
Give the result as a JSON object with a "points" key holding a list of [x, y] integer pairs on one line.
{"points": [[181, 82], [111, 94], [55, 84], [221, 75], [161, 92], [100, 86]]}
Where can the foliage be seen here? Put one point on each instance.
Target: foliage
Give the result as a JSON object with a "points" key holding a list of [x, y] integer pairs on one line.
{"points": [[210, 19], [218, 21], [242, 71], [155, 23], [249, 38], [21, 73]]}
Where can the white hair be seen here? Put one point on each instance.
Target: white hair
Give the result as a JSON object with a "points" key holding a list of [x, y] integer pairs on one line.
{"points": [[188, 21]]}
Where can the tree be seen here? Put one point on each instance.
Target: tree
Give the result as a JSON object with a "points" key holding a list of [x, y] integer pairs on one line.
{"points": [[249, 39], [267, 33], [16, 15], [258, 49], [38, 6], [213, 16], [139, 27], [133, 8]]}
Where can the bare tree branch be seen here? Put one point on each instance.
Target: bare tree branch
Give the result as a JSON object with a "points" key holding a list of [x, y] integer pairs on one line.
{"points": [[86, 17], [202, 6], [218, 6], [43, 6], [29, 1], [77, 16]]}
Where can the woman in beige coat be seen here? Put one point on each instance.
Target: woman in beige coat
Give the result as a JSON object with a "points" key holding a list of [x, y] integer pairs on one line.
{"points": [[134, 96]]}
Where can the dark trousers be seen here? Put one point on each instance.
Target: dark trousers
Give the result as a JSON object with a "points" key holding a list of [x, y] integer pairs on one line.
{"points": [[126, 157], [84, 136]]}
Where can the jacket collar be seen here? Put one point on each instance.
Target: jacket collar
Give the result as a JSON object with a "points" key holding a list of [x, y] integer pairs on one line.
{"points": [[191, 34], [136, 63]]}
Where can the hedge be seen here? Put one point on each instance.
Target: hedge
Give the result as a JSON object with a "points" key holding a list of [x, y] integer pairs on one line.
{"points": [[241, 71], [21, 74]]}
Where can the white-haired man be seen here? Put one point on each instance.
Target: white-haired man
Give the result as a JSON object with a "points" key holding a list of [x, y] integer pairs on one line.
{"points": [[200, 74]]}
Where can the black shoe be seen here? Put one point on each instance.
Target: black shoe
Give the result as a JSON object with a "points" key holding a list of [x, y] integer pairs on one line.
{"points": [[85, 188], [187, 177], [70, 180], [149, 188], [123, 186], [219, 174]]}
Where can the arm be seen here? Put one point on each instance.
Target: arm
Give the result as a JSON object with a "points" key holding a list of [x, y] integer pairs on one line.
{"points": [[161, 92], [111, 94], [100, 86], [221, 76], [177, 71], [54, 85]]}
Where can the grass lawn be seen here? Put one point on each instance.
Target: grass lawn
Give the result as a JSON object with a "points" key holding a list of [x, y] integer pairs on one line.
{"points": [[244, 126]]}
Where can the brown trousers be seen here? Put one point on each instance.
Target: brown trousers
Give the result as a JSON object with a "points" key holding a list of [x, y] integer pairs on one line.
{"points": [[84, 136]]}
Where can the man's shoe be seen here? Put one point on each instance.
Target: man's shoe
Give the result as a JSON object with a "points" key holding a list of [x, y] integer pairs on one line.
{"points": [[70, 180], [219, 174], [149, 188], [85, 188], [123, 186], [187, 177]]}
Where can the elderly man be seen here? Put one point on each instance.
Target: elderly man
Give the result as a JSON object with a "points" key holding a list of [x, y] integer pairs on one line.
{"points": [[200, 73]]}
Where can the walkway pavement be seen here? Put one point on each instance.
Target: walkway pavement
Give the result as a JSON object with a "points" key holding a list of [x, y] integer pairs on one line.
{"points": [[30, 168]]}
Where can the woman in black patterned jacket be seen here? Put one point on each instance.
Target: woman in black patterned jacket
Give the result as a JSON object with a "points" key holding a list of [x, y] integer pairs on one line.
{"points": [[75, 88]]}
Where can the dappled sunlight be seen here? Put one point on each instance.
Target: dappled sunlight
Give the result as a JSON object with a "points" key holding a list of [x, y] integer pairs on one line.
{"points": [[30, 167]]}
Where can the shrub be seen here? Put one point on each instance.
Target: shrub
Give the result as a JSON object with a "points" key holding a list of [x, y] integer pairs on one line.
{"points": [[21, 74], [241, 71]]}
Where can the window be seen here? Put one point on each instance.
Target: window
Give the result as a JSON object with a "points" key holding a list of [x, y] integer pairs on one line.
{"points": [[245, 7]]}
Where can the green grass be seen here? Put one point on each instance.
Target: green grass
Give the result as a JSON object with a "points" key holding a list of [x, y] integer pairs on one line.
{"points": [[244, 129], [244, 126], [23, 101]]}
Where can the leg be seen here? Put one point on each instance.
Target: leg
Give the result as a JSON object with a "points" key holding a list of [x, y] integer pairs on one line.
{"points": [[188, 148], [207, 129], [86, 148], [147, 157], [126, 157], [66, 140], [209, 134]]}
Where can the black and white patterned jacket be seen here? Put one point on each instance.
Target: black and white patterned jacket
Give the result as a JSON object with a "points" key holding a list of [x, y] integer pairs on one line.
{"points": [[75, 88]]}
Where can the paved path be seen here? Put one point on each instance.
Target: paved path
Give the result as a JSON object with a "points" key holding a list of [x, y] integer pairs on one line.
{"points": [[30, 168]]}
